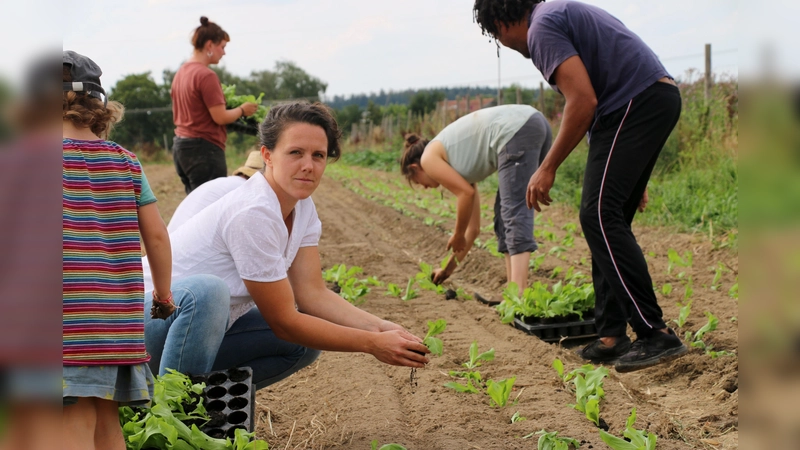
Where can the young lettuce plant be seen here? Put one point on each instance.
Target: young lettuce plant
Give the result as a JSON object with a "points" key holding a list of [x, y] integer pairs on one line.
{"points": [[517, 418], [634, 439], [683, 314], [475, 358], [374, 446], [410, 292], [393, 290], [499, 391], [551, 441], [469, 387], [434, 344]]}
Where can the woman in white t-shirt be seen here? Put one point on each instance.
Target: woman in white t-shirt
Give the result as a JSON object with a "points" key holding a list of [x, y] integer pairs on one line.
{"points": [[247, 274]]}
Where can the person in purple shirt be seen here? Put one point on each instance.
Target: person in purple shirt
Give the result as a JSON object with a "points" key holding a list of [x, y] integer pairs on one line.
{"points": [[617, 93]]}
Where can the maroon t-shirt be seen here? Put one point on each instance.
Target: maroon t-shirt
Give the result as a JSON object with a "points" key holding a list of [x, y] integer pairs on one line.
{"points": [[196, 88]]}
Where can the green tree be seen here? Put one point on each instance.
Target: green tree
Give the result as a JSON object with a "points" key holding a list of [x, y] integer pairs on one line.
{"points": [[148, 114], [294, 82], [347, 116], [424, 102]]}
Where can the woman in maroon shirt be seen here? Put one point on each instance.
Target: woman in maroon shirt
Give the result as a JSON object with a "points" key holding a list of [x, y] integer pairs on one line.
{"points": [[199, 111]]}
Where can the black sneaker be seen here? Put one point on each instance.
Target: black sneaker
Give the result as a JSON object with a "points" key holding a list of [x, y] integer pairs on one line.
{"points": [[647, 352], [598, 353]]}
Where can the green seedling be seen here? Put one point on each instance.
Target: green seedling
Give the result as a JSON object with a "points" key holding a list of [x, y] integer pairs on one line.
{"points": [[475, 358], [461, 293], [233, 101], [353, 291], [469, 377], [683, 314], [688, 291], [536, 262], [588, 383], [568, 241], [516, 417], [710, 325], [340, 273], [733, 292], [718, 272], [570, 227], [434, 344], [559, 366], [425, 279], [374, 446], [556, 271], [499, 391], [557, 251], [636, 439], [676, 260], [372, 281], [666, 289], [410, 292], [393, 290], [551, 441], [582, 261]]}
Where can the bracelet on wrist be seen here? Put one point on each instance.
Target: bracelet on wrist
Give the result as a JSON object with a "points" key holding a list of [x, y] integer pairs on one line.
{"points": [[242, 110]]}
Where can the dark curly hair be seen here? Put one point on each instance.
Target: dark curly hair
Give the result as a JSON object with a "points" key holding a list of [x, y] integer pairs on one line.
{"points": [[413, 147], [489, 13], [285, 114]]}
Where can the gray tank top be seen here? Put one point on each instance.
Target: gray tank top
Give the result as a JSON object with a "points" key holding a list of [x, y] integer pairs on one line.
{"points": [[473, 141]]}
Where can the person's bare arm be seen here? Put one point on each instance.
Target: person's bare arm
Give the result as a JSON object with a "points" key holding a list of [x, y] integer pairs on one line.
{"points": [[223, 116], [581, 102], [473, 230], [157, 247], [434, 164], [276, 301]]}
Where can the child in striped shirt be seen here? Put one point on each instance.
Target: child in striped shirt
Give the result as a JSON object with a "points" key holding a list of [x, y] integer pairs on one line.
{"points": [[107, 205]]}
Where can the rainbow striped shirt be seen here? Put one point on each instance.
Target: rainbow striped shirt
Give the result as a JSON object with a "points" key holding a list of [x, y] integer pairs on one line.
{"points": [[103, 286]]}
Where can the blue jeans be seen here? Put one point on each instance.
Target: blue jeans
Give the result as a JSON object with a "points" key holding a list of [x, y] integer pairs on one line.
{"points": [[251, 342], [193, 339]]}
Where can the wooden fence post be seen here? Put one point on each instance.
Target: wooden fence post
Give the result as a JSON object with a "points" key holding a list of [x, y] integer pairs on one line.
{"points": [[708, 72], [541, 97]]}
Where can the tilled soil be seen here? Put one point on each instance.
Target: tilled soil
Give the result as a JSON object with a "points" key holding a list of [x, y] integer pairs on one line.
{"points": [[348, 400]]}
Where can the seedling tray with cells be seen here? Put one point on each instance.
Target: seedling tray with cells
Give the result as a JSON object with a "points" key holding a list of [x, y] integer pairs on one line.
{"points": [[229, 398]]}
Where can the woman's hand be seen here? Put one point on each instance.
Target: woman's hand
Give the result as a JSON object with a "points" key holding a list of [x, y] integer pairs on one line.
{"points": [[457, 242], [249, 108], [394, 347], [440, 275], [539, 188]]}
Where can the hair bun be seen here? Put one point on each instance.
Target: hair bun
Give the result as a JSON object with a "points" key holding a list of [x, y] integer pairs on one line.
{"points": [[412, 139], [203, 21]]}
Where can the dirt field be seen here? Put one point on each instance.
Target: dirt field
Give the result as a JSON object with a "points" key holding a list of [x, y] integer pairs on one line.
{"points": [[348, 400]]}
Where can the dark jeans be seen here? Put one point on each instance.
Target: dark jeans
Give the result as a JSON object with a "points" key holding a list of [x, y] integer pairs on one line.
{"points": [[623, 150], [197, 161]]}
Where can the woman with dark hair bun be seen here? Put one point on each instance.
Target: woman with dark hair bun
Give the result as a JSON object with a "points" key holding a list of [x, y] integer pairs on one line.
{"points": [[511, 140], [199, 111]]}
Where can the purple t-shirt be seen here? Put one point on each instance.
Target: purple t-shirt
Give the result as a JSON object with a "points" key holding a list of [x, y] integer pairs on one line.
{"points": [[619, 63]]}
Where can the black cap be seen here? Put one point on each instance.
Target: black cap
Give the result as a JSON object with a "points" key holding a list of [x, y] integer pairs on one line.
{"points": [[85, 75]]}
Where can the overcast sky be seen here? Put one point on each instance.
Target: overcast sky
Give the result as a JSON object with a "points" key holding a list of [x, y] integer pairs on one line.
{"points": [[360, 46]]}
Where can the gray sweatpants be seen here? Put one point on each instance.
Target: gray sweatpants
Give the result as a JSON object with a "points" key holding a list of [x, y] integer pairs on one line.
{"points": [[516, 163]]}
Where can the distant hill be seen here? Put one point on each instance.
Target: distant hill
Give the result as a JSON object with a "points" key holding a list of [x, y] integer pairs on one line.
{"points": [[404, 97]]}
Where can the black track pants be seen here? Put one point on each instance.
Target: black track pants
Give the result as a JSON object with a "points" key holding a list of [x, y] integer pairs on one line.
{"points": [[623, 149]]}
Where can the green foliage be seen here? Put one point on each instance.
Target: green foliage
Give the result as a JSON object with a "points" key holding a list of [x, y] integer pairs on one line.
{"points": [[636, 439], [234, 101], [393, 290], [517, 418], [499, 391], [469, 387], [676, 260], [434, 344], [148, 114], [683, 314], [424, 102], [540, 301], [410, 292], [374, 446], [475, 358], [161, 425], [666, 289], [551, 441], [386, 161]]}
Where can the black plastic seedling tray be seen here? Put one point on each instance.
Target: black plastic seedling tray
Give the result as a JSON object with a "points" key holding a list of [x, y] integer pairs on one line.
{"points": [[229, 398], [555, 332]]}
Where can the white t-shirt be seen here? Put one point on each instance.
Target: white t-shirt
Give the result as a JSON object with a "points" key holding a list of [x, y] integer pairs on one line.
{"points": [[242, 236], [206, 194]]}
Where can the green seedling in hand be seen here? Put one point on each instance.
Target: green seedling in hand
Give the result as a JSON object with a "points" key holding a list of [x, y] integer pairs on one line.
{"points": [[475, 358], [551, 441], [637, 439], [499, 391], [434, 344]]}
